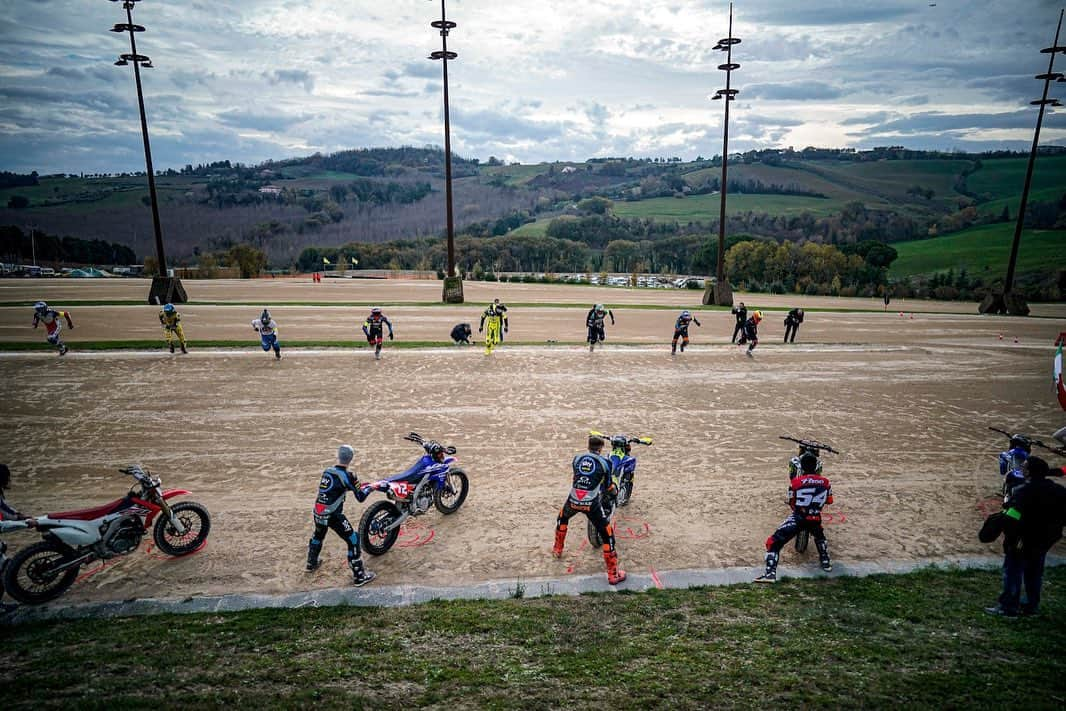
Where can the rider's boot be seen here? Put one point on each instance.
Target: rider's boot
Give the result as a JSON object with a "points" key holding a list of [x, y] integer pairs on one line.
{"points": [[614, 574], [313, 549], [171, 346], [361, 575], [770, 576], [673, 348], [823, 554], [183, 348], [560, 538]]}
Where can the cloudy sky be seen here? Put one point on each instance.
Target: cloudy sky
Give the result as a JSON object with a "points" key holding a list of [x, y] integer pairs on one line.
{"points": [[250, 80]]}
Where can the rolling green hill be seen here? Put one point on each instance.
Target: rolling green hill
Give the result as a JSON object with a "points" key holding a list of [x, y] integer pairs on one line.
{"points": [[981, 250]]}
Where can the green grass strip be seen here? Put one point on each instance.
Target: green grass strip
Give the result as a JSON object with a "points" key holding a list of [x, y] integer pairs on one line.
{"points": [[919, 640]]}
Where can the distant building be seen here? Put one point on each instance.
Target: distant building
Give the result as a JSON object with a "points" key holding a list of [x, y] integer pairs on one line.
{"points": [[270, 190]]}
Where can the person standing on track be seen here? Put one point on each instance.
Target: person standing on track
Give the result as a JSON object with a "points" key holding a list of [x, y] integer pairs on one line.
{"points": [[497, 322], [681, 330], [501, 309], [592, 478], [595, 323], [740, 311], [328, 513], [268, 333], [170, 320], [372, 329], [52, 324], [807, 494], [792, 324]]}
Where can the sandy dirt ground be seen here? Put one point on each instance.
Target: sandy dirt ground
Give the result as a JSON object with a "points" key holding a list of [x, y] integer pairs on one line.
{"points": [[391, 291], [908, 402]]}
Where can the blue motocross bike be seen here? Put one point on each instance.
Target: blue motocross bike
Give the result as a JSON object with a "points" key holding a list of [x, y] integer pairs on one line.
{"points": [[623, 471], [434, 480]]}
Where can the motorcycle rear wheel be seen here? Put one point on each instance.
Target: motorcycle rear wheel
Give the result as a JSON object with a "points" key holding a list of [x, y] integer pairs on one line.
{"points": [[594, 536], [449, 503], [197, 524], [802, 538], [28, 577], [373, 536]]}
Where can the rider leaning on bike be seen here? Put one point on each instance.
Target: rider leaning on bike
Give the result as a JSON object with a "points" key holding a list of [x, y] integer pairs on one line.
{"points": [[592, 477], [336, 482], [8, 513]]}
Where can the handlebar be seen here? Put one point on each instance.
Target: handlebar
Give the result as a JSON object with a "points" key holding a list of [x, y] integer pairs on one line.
{"points": [[140, 474], [811, 444], [646, 441], [1061, 451], [420, 440], [8, 526]]}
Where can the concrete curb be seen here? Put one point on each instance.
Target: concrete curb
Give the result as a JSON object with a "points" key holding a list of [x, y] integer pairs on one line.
{"points": [[396, 595]]}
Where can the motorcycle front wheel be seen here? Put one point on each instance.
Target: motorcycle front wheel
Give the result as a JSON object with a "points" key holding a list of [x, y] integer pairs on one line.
{"points": [[197, 523], [625, 490], [29, 576], [374, 533], [449, 498]]}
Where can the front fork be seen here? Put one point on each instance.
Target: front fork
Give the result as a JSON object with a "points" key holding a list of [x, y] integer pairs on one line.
{"points": [[175, 522]]}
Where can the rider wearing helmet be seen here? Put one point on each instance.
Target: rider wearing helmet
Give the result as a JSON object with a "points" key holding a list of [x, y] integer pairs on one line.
{"points": [[268, 333], [807, 494], [594, 322], [681, 330], [750, 335], [1011, 463], [170, 319], [52, 324], [502, 310], [461, 334], [794, 463], [372, 329], [328, 512], [592, 476], [497, 321]]}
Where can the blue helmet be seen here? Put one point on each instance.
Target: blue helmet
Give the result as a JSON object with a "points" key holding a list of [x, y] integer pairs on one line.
{"points": [[168, 308], [686, 314], [40, 307]]}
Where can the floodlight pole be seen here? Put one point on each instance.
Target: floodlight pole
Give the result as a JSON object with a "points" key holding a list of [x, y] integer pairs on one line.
{"points": [[164, 288], [1010, 302], [453, 283], [721, 293]]}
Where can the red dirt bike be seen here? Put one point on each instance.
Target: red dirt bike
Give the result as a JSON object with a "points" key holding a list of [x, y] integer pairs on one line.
{"points": [[45, 570]]}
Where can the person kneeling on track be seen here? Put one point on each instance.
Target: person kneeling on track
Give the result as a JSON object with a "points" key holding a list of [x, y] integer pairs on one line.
{"points": [[336, 482], [461, 334], [807, 494], [592, 476]]}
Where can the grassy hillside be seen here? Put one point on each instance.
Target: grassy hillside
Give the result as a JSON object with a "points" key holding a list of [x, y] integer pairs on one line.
{"points": [[979, 250], [909, 641], [706, 207]]}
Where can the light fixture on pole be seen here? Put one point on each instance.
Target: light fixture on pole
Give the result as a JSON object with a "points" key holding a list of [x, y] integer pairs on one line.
{"points": [[453, 283], [720, 293], [165, 289], [1008, 301]]}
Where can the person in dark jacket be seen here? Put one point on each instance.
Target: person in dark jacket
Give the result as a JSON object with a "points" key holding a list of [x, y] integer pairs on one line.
{"points": [[461, 334], [740, 311], [792, 324], [1033, 518]]}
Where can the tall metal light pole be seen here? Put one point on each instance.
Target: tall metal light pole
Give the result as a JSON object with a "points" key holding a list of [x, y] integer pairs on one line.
{"points": [[453, 283], [1008, 301], [722, 293], [164, 288]]}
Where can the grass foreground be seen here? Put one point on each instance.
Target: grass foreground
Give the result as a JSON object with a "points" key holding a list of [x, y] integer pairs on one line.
{"points": [[919, 640]]}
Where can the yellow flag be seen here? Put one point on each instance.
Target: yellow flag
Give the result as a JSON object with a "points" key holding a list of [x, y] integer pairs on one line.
{"points": [[326, 261]]}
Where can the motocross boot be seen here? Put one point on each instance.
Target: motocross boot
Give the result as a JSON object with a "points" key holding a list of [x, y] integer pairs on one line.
{"points": [[171, 347], [313, 549], [183, 348], [560, 538], [361, 575], [614, 574], [63, 349], [823, 554], [770, 576]]}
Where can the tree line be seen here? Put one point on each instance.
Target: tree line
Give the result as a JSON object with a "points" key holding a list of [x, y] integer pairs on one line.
{"points": [[19, 246]]}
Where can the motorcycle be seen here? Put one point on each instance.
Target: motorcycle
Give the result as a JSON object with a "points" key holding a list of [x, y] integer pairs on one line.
{"points": [[806, 446], [411, 493], [7, 527], [623, 468], [45, 570], [1011, 461]]}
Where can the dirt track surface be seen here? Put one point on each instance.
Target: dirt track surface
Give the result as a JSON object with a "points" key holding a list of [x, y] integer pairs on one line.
{"points": [[907, 401], [275, 291]]}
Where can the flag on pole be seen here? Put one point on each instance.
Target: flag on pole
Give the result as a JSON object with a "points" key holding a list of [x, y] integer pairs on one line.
{"points": [[354, 261], [1060, 386], [326, 261]]}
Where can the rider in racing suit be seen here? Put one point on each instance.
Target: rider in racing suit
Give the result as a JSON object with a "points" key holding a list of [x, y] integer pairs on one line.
{"points": [[372, 329], [807, 494], [594, 321], [53, 324], [592, 476], [7, 513], [329, 513], [681, 330]]}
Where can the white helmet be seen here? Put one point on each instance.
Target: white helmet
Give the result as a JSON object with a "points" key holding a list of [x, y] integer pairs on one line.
{"points": [[40, 307]]}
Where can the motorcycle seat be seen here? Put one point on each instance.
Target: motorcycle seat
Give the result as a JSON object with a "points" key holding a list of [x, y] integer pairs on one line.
{"points": [[90, 514]]}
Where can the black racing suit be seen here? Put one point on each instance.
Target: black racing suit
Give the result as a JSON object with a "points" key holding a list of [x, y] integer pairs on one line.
{"points": [[592, 480], [594, 321], [372, 328], [750, 334], [742, 315], [681, 331], [336, 482], [461, 333], [792, 324]]}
